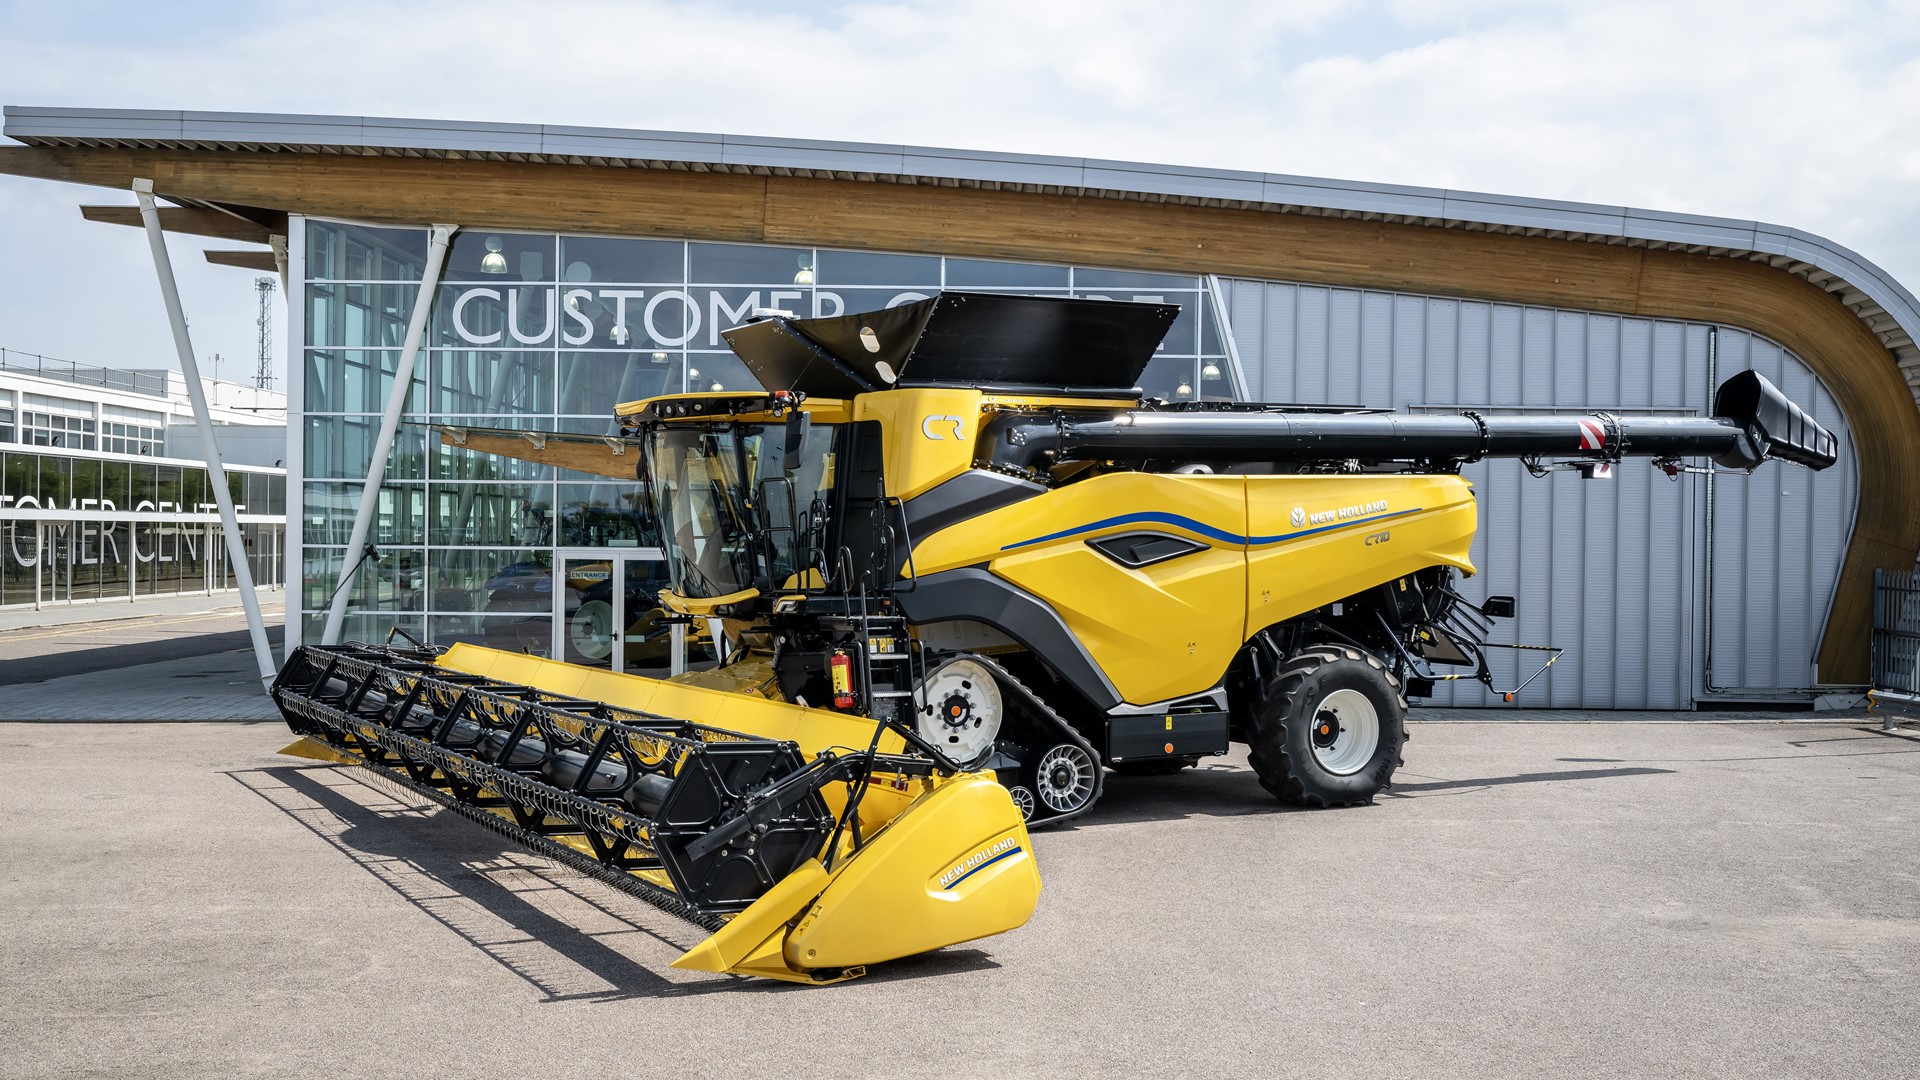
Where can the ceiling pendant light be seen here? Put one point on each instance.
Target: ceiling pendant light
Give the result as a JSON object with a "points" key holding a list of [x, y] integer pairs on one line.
{"points": [[493, 262]]}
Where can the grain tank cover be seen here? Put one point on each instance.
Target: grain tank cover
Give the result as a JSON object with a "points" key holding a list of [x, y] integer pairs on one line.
{"points": [[985, 340]]}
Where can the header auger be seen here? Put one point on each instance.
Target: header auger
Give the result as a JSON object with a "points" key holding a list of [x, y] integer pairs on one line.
{"points": [[964, 567]]}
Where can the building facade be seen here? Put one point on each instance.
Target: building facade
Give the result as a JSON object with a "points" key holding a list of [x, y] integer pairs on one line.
{"points": [[597, 265], [100, 500], [549, 331]]}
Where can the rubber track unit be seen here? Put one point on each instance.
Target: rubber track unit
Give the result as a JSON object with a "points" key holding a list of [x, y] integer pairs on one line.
{"points": [[1268, 748], [1046, 713]]}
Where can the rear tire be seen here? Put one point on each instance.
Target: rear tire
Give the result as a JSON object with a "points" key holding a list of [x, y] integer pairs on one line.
{"points": [[1327, 728]]}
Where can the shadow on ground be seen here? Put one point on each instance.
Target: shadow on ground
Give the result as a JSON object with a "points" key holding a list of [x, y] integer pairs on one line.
{"points": [[1223, 790], [57, 665], [561, 932]]}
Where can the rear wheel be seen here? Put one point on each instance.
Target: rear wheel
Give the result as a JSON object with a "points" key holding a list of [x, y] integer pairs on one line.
{"points": [[1327, 728]]}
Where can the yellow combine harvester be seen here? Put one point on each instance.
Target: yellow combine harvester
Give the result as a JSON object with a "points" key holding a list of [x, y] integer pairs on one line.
{"points": [[963, 568]]}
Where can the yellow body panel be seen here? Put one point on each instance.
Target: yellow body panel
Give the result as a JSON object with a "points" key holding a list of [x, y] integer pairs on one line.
{"points": [[1171, 628], [954, 866], [813, 730], [1157, 631], [1354, 532], [929, 434]]}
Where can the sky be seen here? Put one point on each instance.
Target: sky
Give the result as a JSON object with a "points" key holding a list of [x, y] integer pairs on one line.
{"points": [[1792, 113]]}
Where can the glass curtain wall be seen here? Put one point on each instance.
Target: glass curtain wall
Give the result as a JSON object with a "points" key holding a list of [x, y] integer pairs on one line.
{"points": [[549, 332], [146, 538]]}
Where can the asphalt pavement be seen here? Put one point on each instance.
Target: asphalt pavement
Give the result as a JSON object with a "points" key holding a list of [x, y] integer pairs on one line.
{"points": [[1531, 899], [56, 642]]}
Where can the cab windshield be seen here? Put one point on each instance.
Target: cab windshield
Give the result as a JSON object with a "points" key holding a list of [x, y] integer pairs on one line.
{"points": [[709, 483]]}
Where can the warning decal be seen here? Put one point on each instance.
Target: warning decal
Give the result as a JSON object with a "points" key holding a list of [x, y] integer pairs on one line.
{"points": [[1593, 434]]}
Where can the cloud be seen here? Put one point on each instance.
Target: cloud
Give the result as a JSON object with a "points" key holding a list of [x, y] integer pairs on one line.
{"points": [[1785, 112]]}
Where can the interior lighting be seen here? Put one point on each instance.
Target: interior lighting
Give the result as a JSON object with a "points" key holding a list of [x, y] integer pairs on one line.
{"points": [[804, 276], [1210, 370], [693, 375], [620, 335], [493, 262], [1184, 390], [659, 358], [716, 388]]}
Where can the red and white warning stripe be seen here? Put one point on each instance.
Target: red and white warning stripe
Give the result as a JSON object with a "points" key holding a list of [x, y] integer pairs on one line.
{"points": [[1593, 434]]}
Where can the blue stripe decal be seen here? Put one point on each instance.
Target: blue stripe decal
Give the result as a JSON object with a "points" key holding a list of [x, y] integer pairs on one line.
{"points": [[1154, 517], [1007, 854]]}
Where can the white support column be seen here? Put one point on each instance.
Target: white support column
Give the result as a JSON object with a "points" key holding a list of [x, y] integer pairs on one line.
{"points": [[216, 473], [389, 424]]}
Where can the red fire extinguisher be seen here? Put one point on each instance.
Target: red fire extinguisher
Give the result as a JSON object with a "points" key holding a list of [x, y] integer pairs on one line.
{"points": [[840, 666]]}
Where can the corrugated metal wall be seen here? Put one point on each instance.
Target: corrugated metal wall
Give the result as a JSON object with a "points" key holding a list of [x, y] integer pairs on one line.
{"points": [[1615, 571]]}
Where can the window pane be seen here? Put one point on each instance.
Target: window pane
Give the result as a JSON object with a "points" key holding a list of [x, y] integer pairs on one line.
{"points": [[593, 383], [865, 268], [604, 515], [487, 515], [968, 273], [482, 382], [594, 258], [358, 381], [742, 264], [500, 256], [364, 253], [363, 316]]}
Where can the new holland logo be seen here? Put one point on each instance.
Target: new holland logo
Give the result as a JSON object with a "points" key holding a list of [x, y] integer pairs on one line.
{"points": [[1344, 513], [1299, 516], [992, 853]]}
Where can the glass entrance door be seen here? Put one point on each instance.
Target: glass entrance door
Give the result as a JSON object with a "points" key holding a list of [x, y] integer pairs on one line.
{"points": [[607, 612]]}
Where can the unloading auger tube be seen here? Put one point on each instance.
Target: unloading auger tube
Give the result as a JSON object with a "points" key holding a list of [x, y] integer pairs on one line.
{"points": [[1752, 421], [807, 862]]}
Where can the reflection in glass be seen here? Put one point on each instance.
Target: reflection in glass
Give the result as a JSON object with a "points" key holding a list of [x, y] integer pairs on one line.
{"points": [[341, 447], [359, 316], [485, 382], [866, 268], [604, 515], [1085, 278], [364, 253], [519, 515], [494, 256], [591, 384], [354, 380], [974, 273], [712, 372], [745, 264], [598, 258]]}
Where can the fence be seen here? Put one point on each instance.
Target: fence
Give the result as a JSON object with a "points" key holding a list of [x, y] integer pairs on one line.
{"points": [[1896, 642], [52, 367]]}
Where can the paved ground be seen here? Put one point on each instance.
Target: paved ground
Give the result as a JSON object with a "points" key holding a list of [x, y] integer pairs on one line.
{"points": [[108, 637], [1533, 900]]}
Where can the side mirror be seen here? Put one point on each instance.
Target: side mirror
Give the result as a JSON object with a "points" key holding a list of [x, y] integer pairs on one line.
{"points": [[1498, 607], [797, 425]]}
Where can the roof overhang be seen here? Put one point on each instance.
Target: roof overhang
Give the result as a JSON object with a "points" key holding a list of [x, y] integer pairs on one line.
{"points": [[1886, 307]]}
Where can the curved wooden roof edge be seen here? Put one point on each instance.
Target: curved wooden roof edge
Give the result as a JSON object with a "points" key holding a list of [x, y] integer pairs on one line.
{"points": [[1851, 357]]}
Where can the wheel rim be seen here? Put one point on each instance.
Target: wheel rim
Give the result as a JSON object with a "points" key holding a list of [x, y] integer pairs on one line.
{"points": [[1346, 732], [1022, 801], [1064, 779], [591, 630]]}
